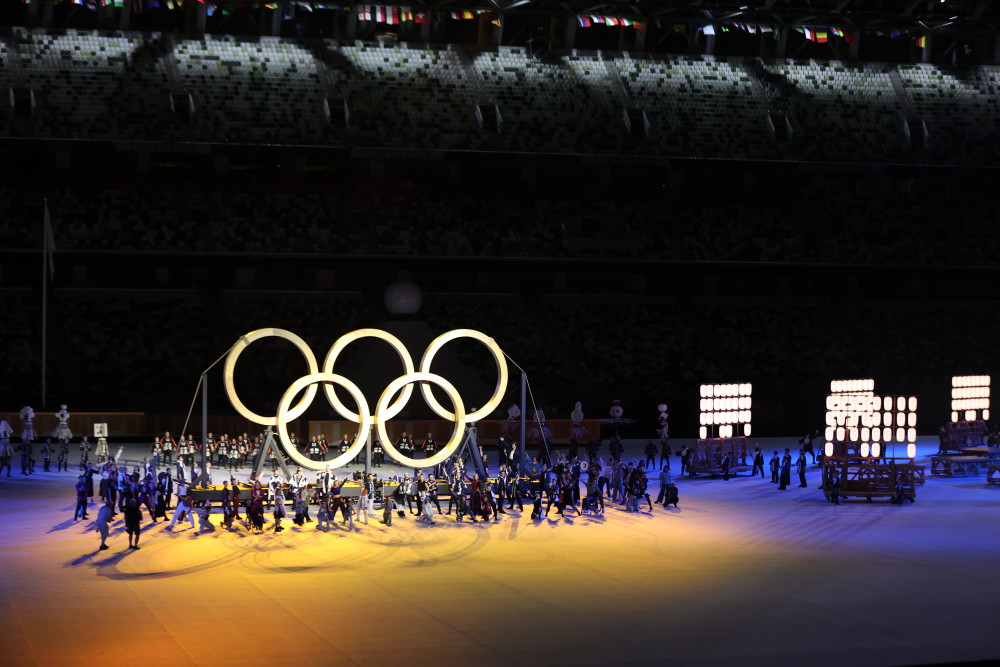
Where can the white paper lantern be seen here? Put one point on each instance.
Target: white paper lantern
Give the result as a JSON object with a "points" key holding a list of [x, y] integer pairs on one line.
{"points": [[864, 449]]}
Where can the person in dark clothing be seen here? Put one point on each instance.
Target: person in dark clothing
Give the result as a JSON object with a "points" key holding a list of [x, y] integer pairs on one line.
{"points": [[758, 462], [786, 471]]}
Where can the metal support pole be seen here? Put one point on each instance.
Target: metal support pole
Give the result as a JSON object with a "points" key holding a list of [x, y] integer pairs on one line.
{"points": [[203, 480], [368, 452], [524, 413]]}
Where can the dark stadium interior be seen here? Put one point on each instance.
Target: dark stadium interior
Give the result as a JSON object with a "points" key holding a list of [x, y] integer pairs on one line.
{"points": [[710, 192]]}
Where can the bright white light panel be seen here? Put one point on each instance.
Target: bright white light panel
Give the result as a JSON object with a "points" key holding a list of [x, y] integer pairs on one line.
{"points": [[726, 406], [970, 397], [855, 414]]}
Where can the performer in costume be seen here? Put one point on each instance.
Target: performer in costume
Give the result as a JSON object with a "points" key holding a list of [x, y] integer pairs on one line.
{"points": [[28, 430], [378, 454], [62, 429], [84, 452], [101, 451], [168, 448], [786, 471], [577, 431], [47, 451], [404, 445], [6, 454], [429, 446]]}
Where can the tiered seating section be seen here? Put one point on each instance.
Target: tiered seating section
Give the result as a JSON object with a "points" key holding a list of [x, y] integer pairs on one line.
{"points": [[272, 91], [886, 221]]}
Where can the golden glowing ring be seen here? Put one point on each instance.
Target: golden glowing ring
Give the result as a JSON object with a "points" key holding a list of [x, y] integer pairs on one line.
{"points": [[459, 418], [347, 339], [230, 368], [491, 345], [310, 382]]}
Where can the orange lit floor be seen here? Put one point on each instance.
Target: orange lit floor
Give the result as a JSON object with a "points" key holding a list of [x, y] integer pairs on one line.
{"points": [[740, 574]]}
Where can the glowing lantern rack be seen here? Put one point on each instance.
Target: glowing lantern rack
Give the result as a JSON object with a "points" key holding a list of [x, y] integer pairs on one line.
{"points": [[726, 411], [859, 423], [970, 409]]}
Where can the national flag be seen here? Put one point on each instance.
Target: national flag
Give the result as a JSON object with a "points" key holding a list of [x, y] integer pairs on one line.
{"points": [[821, 37], [709, 30], [810, 34], [837, 32], [922, 42], [420, 17], [379, 14], [365, 13], [405, 14], [584, 21], [467, 15], [597, 20], [610, 20], [638, 25], [48, 241]]}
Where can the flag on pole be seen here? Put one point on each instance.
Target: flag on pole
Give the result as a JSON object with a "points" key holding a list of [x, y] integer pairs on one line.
{"points": [[49, 242]]}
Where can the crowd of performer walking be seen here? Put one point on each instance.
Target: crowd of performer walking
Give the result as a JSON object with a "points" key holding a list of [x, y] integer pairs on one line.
{"points": [[577, 480]]}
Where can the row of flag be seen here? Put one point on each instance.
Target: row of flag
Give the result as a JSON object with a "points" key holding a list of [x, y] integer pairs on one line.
{"points": [[589, 21], [390, 15], [823, 35], [393, 15]]}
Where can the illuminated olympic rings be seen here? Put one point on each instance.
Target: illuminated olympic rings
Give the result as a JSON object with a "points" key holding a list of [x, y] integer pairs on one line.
{"points": [[385, 409]]}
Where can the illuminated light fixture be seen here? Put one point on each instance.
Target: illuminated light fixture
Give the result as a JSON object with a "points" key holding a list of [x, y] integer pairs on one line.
{"points": [[970, 395], [911, 450], [725, 407], [911, 434], [829, 449], [911, 419], [840, 433], [864, 449], [865, 433], [876, 449], [886, 434], [900, 404]]}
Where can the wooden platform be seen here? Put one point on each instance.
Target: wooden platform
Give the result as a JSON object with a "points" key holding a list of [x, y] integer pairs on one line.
{"points": [[946, 465], [872, 477]]}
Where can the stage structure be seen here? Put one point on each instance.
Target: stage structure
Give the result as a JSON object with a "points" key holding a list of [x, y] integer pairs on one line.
{"points": [[391, 402], [726, 412], [861, 424]]}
